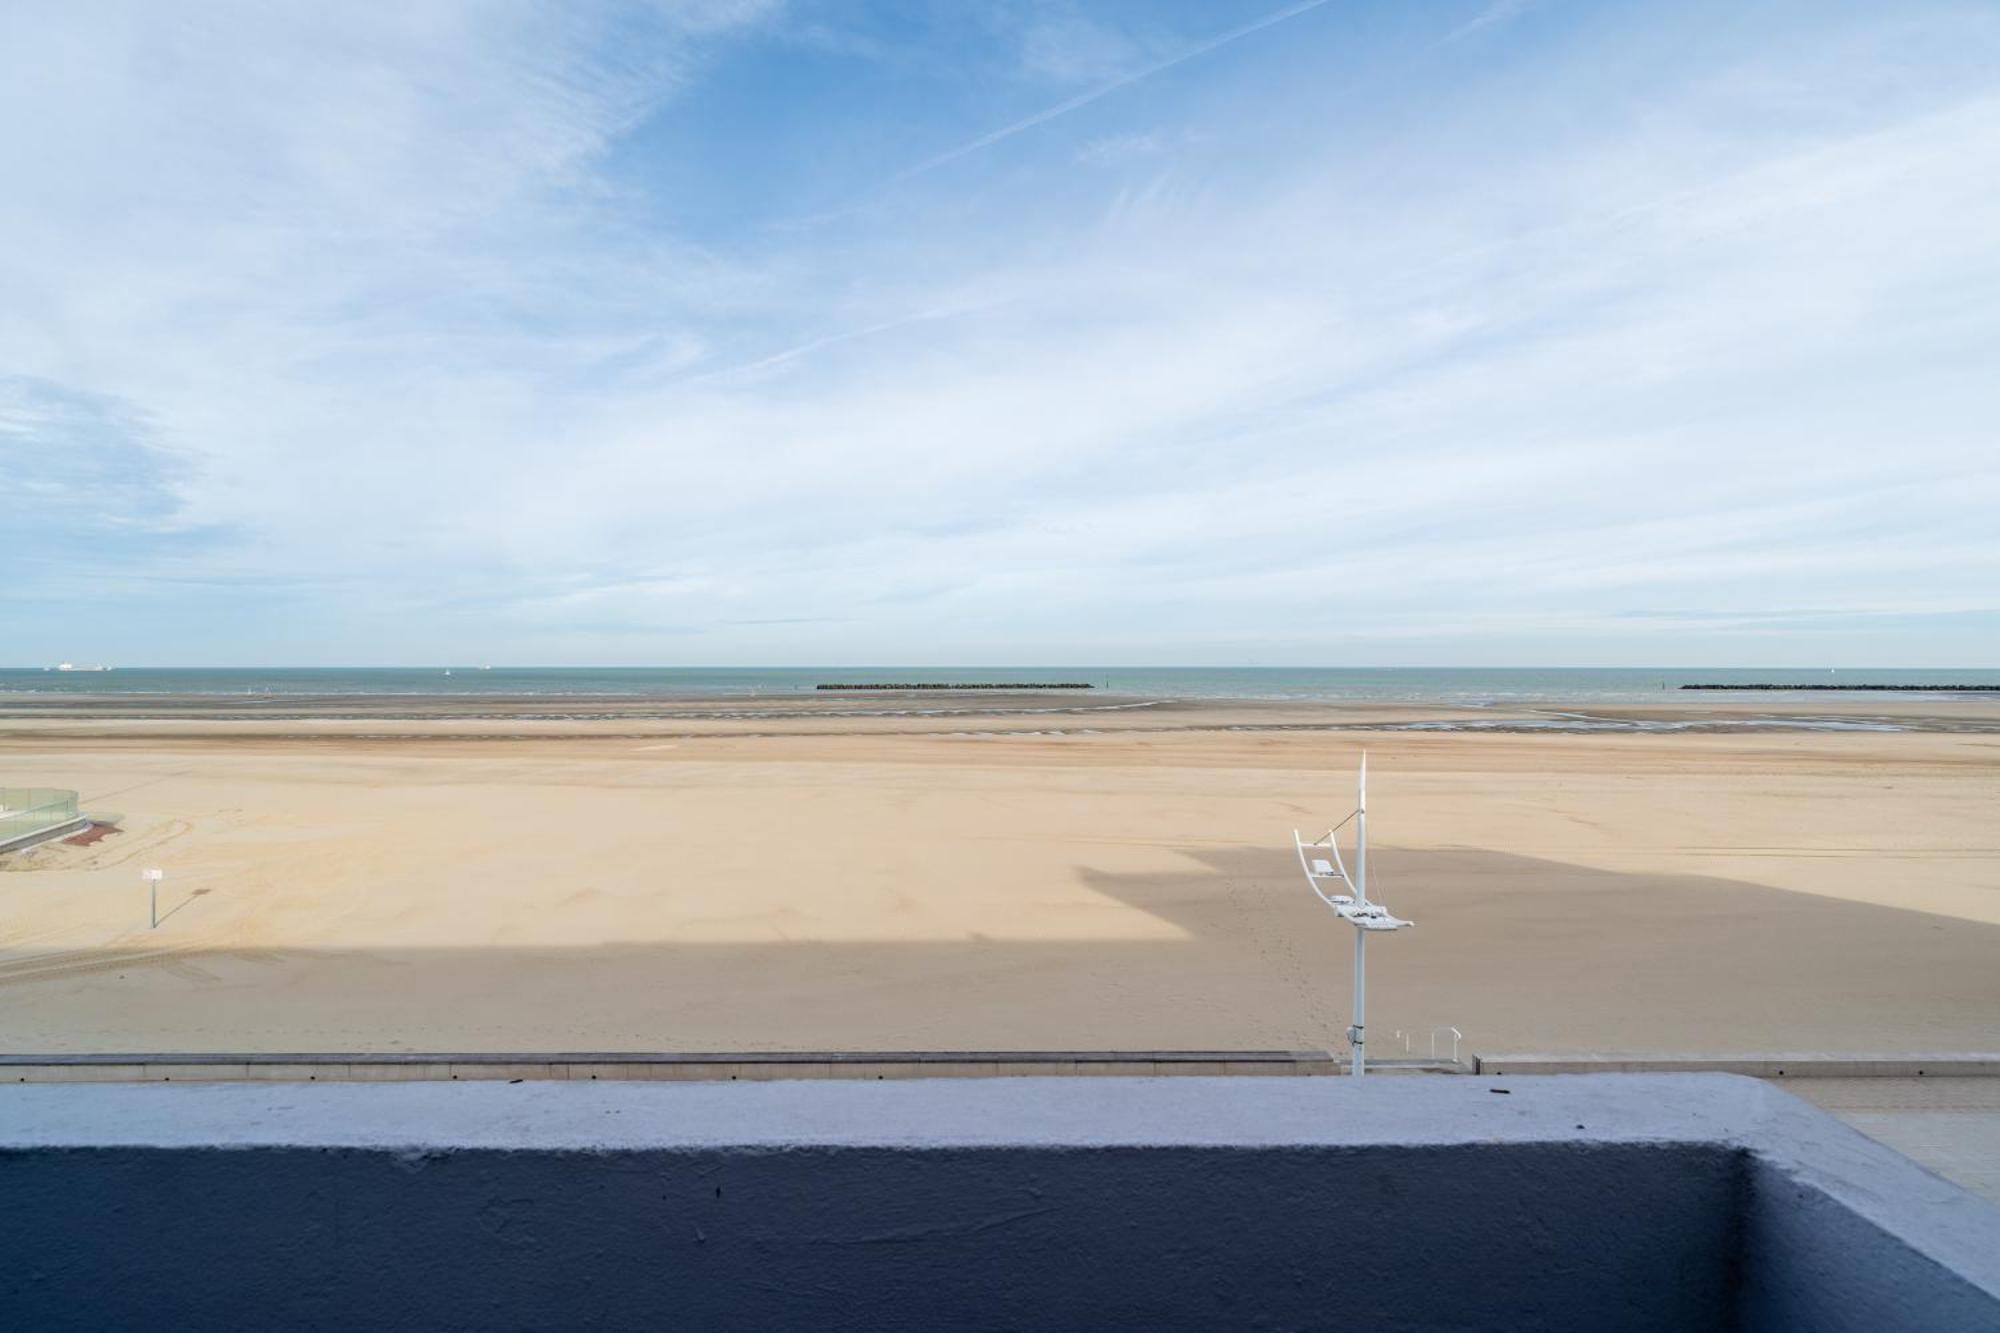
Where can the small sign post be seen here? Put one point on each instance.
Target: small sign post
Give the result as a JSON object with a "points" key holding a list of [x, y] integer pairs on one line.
{"points": [[153, 878]]}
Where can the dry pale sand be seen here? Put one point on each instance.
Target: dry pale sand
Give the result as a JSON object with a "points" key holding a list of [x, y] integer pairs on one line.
{"points": [[997, 879]]}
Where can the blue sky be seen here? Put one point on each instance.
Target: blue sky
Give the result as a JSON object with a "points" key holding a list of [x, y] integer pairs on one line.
{"points": [[746, 331]]}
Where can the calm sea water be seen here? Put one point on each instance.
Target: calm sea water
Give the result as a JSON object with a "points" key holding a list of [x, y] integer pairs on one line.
{"points": [[1473, 686]]}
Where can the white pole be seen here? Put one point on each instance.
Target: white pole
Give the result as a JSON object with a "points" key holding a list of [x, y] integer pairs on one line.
{"points": [[1361, 832], [1359, 1032], [1360, 935]]}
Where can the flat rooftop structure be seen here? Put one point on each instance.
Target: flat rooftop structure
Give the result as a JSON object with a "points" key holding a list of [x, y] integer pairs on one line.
{"points": [[1658, 1202]]}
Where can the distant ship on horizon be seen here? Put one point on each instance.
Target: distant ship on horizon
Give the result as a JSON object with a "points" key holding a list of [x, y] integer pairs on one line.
{"points": [[71, 666]]}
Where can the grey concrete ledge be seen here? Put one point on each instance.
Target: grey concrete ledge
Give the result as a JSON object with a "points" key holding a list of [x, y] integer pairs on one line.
{"points": [[644, 1057], [943, 1113], [1640, 1202], [1799, 1065], [640, 1065]]}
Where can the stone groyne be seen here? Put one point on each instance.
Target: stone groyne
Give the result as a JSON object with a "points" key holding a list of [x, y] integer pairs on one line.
{"points": [[962, 685], [1902, 689]]}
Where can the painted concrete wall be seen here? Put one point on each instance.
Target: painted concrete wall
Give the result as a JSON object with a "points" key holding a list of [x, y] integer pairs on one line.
{"points": [[1675, 1202]]}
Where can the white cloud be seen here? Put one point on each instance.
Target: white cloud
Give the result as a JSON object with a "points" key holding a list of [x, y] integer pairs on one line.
{"points": [[1119, 149], [1499, 11], [374, 277]]}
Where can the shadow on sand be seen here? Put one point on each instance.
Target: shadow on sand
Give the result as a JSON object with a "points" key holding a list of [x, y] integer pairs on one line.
{"points": [[1522, 954]]}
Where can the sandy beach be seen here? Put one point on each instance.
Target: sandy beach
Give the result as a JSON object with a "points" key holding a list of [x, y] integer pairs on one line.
{"points": [[1001, 874]]}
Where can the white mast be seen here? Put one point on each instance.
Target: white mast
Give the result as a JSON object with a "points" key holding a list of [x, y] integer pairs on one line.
{"points": [[1354, 908], [1361, 831], [1357, 1035]]}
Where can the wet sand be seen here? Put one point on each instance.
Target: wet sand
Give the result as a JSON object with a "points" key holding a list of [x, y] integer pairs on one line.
{"points": [[987, 873]]}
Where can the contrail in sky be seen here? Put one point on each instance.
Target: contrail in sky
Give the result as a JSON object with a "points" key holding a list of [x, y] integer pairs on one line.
{"points": [[1085, 99]]}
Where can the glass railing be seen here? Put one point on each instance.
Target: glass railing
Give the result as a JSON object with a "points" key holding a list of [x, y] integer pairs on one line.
{"points": [[29, 810]]}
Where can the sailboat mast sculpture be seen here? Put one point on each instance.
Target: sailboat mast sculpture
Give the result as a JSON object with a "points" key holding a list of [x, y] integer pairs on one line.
{"points": [[1329, 872]]}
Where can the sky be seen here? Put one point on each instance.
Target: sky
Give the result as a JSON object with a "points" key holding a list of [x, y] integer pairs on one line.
{"points": [[1462, 332]]}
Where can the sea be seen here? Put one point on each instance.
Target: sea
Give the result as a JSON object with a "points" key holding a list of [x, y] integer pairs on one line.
{"points": [[1460, 686]]}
